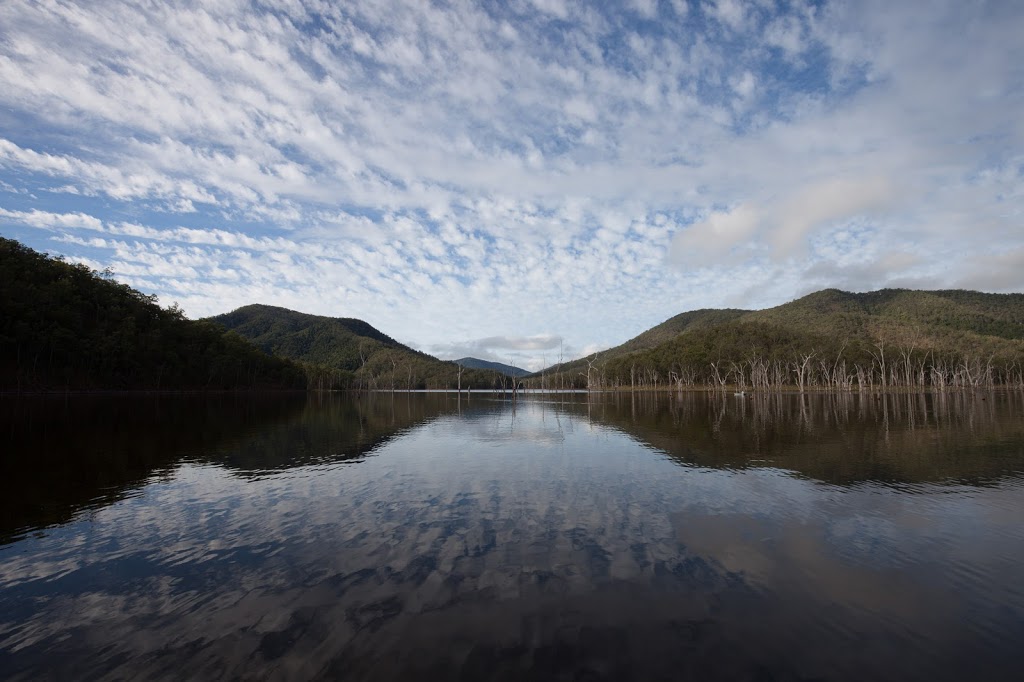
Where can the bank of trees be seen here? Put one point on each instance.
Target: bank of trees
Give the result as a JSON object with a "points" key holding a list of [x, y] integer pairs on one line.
{"points": [[64, 326], [393, 369], [754, 356]]}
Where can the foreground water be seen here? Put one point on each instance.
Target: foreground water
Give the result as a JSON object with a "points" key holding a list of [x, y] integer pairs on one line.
{"points": [[623, 537]]}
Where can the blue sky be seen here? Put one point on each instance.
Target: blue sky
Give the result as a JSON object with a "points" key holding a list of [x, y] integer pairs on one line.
{"points": [[517, 179]]}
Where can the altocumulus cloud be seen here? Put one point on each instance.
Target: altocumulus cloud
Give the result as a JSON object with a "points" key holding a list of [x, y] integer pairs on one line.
{"points": [[531, 174]]}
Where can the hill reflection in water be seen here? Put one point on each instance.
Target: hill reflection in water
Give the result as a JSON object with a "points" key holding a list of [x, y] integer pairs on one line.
{"points": [[577, 537], [970, 438]]}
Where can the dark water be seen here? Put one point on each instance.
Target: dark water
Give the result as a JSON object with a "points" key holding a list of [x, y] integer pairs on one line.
{"points": [[562, 538]]}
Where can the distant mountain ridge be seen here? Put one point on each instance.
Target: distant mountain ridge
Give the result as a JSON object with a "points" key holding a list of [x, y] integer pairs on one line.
{"points": [[345, 352], [477, 363]]}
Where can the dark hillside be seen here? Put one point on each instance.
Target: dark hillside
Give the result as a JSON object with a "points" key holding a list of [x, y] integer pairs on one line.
{"points": [[66, 327], [477, 363]]}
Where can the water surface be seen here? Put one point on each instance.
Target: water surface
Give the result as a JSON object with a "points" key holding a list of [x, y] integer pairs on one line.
{"points": [[558, 537]]}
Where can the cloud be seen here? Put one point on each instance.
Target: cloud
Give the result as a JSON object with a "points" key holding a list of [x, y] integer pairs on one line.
{"points": [[539, 342], [645, 8], [1000, 270], [729, 12], [826, 203], [507, 349], [718, 234], [784, 226], [47, 220]]}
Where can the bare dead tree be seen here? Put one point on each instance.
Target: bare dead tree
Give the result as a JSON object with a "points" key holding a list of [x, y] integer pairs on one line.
{"points": [[720, 380], [906, 355], [880, 359], [800, 369], [590, 369], [561, 377]]}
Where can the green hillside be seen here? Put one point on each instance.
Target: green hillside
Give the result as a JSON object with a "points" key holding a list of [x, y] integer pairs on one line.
{"points": [[477, 363], [349, 353], [829, 339], [66, 327], [902, 315], [693, 320]]}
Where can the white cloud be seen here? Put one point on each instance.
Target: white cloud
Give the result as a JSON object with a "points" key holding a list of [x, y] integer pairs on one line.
{"points": [[47, 220], [645, 8], [557, 8], [537, 342], [716, 235], [786, 34], [729, 12]]}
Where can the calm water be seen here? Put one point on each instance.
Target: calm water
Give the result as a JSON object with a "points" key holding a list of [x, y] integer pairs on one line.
{"points": [[563, 538]]}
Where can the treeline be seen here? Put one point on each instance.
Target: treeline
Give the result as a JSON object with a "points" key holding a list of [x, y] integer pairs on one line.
{"points": [[764, 357], [64, 326], [391, 369]]}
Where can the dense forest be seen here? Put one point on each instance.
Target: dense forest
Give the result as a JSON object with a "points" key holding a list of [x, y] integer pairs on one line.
{"points": [[345, 353], [64, 326], [829, 340]]}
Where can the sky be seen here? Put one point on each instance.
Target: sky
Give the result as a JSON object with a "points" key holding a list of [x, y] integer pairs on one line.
{"points": [[516, 180]]}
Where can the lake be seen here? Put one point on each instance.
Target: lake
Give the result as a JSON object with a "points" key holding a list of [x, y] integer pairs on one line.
{"points": [[557, 537]]}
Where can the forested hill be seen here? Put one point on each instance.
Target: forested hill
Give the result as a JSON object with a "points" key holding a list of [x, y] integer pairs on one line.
{"points": [[928, 338], [901, 315], [477, 363], [65, 327], [312, 338], [349, 353]]}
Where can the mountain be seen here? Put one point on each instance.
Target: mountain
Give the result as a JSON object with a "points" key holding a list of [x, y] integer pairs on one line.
{"points": [[335, 341], [902, 314], [829, 338], [477, 363], [65, 327], [344, 352]]}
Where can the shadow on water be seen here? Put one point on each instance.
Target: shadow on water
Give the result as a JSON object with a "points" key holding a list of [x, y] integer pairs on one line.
{"points": [[574, 537], [66, 454]]}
